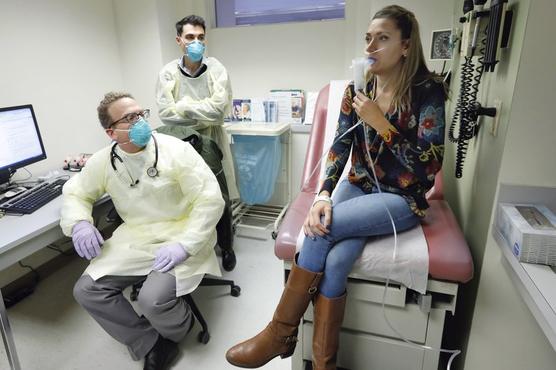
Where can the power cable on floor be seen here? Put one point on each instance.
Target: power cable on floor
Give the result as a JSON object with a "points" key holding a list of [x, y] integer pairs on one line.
{"points": [[35, 273], [57, 249]]}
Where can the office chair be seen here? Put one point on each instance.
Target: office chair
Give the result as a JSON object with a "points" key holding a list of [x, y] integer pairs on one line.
{"points": [[114, 218], [209, 151], [204, 334]]}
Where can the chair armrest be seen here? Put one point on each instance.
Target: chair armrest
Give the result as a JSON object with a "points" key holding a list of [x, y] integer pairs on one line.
{"points": [[112, 217]]}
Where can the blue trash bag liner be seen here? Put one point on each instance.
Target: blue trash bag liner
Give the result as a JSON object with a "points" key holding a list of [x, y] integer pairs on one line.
{"points": [[257, 160]]}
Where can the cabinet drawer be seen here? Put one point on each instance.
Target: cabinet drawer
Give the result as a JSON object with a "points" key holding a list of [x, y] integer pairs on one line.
{"points": [[363, 352], [365, 314]]}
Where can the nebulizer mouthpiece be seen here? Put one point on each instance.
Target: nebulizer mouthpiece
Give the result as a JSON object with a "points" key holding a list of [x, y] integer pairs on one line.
{"points": [[360, 66]]}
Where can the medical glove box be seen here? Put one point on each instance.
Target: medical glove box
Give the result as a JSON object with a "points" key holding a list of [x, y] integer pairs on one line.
{"points": [[530, 231]]}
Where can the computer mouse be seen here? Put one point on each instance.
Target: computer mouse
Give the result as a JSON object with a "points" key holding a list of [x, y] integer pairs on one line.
{"points": [[15, 191]]}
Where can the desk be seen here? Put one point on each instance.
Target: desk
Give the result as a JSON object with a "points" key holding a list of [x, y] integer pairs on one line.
{"points": [[21, 236]]}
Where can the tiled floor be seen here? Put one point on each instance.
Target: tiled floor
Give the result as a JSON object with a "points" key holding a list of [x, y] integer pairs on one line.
{"points": [[52, 332]]}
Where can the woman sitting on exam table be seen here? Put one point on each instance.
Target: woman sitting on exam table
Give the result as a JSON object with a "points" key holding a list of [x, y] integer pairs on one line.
{"points": [[402, 114]]}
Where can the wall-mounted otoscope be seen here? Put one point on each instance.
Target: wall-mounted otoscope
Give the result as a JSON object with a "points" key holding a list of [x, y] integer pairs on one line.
{"points": [[497, 10], [476, 110], [481, 30]]}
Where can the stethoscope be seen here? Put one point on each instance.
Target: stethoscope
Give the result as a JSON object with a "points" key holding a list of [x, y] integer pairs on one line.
{"points": [[152, 171]]}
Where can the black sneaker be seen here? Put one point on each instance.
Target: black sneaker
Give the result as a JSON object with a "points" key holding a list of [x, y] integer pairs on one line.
{"points": [[228, 260], [163, 353]]}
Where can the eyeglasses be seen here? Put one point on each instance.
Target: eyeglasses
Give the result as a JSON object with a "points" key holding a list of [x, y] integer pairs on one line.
{"points": [[132, 117]]}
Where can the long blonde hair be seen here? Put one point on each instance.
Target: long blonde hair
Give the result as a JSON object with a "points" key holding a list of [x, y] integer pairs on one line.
{"points": [[414, 67]]}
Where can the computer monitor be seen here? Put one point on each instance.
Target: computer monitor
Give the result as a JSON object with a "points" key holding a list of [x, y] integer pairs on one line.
{"points": [[20, 140]]}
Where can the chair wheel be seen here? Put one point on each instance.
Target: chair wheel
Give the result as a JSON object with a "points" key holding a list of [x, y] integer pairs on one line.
{"points": [[274, 235], [203, 337], [235, 291]]}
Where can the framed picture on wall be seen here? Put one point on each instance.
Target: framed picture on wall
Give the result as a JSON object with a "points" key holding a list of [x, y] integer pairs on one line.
{"points": [[441, 47]]}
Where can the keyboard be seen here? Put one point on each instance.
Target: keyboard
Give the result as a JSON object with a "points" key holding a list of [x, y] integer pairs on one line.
{"points": [[34, 198]]}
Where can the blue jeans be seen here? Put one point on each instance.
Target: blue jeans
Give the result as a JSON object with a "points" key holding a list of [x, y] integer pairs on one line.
{"points": [[356, 215]]}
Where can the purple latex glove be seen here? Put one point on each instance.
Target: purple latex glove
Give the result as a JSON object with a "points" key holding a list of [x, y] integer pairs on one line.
{"points": [[169, 256], [86, 240]]}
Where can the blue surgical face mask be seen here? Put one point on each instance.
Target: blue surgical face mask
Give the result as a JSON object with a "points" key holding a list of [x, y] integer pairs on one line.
{"points": [[140, 133], [195, 50]]}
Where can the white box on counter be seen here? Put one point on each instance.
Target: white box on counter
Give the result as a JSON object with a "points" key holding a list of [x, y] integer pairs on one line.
{"points": [[530, 231]]}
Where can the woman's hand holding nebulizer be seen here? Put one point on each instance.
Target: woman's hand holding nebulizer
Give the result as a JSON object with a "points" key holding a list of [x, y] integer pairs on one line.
{"points": [[370, 112]]}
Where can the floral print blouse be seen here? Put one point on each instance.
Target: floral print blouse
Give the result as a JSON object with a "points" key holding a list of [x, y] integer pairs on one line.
{"points": [[406, 157]]}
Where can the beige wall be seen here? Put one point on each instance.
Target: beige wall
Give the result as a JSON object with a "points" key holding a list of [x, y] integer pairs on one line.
{"points": [[138, 35], [304, 55], [475, 190], [169, 12], [504, 333], [530, 148], [61, 56], [472, 196]]}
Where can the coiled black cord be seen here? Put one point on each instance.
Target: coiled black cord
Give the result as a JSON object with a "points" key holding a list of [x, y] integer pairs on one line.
{"points": [[461, 115], [472, 116], [464, 113], [466, 76]]}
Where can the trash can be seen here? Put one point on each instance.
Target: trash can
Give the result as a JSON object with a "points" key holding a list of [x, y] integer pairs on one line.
{"points": [[262, 163], [257, 160]]}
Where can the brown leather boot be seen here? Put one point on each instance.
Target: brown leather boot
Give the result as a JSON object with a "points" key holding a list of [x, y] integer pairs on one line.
{"points": [[280, 336], [329, 314]]}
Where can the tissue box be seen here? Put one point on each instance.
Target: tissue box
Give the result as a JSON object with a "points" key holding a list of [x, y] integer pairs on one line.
{"points": [[530, 231]]}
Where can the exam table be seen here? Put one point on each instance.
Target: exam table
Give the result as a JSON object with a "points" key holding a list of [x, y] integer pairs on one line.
{"points": [[366, 340]]}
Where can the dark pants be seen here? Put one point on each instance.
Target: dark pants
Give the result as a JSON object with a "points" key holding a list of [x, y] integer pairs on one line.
{"points": [[224, 231]]}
